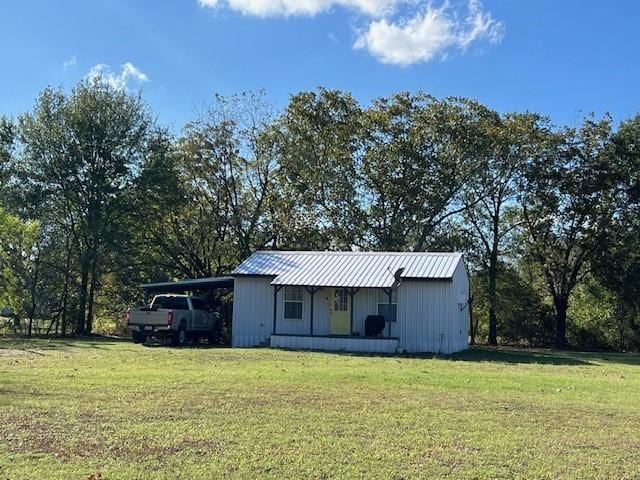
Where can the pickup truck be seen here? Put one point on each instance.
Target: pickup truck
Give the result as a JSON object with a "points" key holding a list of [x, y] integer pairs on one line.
{"points": [[177, 317]]}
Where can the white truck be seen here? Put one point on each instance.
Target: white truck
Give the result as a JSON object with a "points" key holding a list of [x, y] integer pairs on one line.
{"points": [[177, 317]]}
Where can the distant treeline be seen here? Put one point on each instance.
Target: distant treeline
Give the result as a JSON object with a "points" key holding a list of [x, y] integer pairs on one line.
{"points": [[96, 197]]}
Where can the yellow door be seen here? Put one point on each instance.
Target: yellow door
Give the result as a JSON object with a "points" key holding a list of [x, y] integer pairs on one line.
{"points": [[339, 312]]}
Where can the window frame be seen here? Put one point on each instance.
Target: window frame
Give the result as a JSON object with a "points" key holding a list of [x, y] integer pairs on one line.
{"points": [[394, 303], [298, 299]]}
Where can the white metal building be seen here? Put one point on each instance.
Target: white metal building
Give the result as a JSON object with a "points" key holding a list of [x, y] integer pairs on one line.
{"points": [[352, 301]]}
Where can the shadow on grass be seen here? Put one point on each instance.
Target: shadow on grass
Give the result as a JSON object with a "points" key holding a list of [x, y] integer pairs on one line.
{"points": [[528, 356], [514, 355], [498, 355], [188, 346], [543, 356], [57, 343], [612, 357], [34, 344], [485, 354]]}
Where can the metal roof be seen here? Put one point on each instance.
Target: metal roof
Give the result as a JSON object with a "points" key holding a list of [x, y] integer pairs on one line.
{"points": [[348, 269], [191, 284]]}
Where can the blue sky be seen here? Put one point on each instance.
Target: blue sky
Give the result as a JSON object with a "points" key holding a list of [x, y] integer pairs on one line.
{"points": [[563, 58]]}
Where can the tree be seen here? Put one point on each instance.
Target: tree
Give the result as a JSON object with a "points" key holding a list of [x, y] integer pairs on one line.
{"points": [[317, 140], [568, 198], [81, 153], [231, 159], [491, 211], [522, 313], [223, 173], [617, 263], [16, 244], [7, 140], [419, 155]]}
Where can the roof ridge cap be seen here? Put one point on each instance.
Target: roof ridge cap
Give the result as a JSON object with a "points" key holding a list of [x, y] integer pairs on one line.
{"points": [[344, 252]]}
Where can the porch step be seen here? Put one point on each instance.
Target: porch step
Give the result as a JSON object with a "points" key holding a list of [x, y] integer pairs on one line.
{"points": [[345, 344]]}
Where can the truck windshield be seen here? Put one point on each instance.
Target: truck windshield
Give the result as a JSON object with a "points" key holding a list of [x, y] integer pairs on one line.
{"points": [[171, 303]]}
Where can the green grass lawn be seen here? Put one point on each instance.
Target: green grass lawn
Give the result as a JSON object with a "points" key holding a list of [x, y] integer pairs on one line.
{"points": [[69, 409]]}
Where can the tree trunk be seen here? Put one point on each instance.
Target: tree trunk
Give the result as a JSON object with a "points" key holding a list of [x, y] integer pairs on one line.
{"points": [[53, 322], [82, 301], [89, 323], [33, 292], [88, 326], [561, 306], [474, 325], [65, 289], [63, 327], [493, 320]]}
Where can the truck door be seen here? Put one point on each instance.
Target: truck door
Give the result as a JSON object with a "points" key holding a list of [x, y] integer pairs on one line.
{"points": [[200, 314]]}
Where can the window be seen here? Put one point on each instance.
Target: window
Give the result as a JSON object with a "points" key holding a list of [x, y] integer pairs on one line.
{"points": [[171, 303], [341, 302], [199, 304], [388, 311], [293, 298]]}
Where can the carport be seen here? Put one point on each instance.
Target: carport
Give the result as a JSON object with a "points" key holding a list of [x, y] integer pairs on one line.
{"points": [[208, 288], [198, 286]]}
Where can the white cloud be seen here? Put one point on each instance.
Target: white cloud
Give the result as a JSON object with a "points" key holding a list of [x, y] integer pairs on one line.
{"points": [[431, 31], [208, 3], [398, 32], [70, 63], [480, 25], [119, 80], [287, 8]]}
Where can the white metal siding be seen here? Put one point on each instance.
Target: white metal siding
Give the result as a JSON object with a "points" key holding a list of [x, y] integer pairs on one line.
{"points": [[336, 344], [460, 334], [431, 315], [252, 311], [426, 318]]}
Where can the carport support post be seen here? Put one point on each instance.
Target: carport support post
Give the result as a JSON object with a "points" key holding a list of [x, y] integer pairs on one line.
{"points": [[276, 289]]}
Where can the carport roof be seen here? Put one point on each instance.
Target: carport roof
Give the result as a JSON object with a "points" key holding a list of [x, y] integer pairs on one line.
{"points": [[349, 269], [190, 284]]}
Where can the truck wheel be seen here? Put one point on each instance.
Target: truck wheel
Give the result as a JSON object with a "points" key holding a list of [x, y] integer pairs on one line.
{"points": [[180, 337], [138, 337]]}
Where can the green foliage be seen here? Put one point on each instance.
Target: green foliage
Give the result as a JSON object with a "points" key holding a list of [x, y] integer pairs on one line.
{"points": [[81, 154], [17, 241], [522, 315], [541, 212], [7, 142], [419, 156], [491, 213], [593, 319], [569, 196], [617, 262], [317, 139]]}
